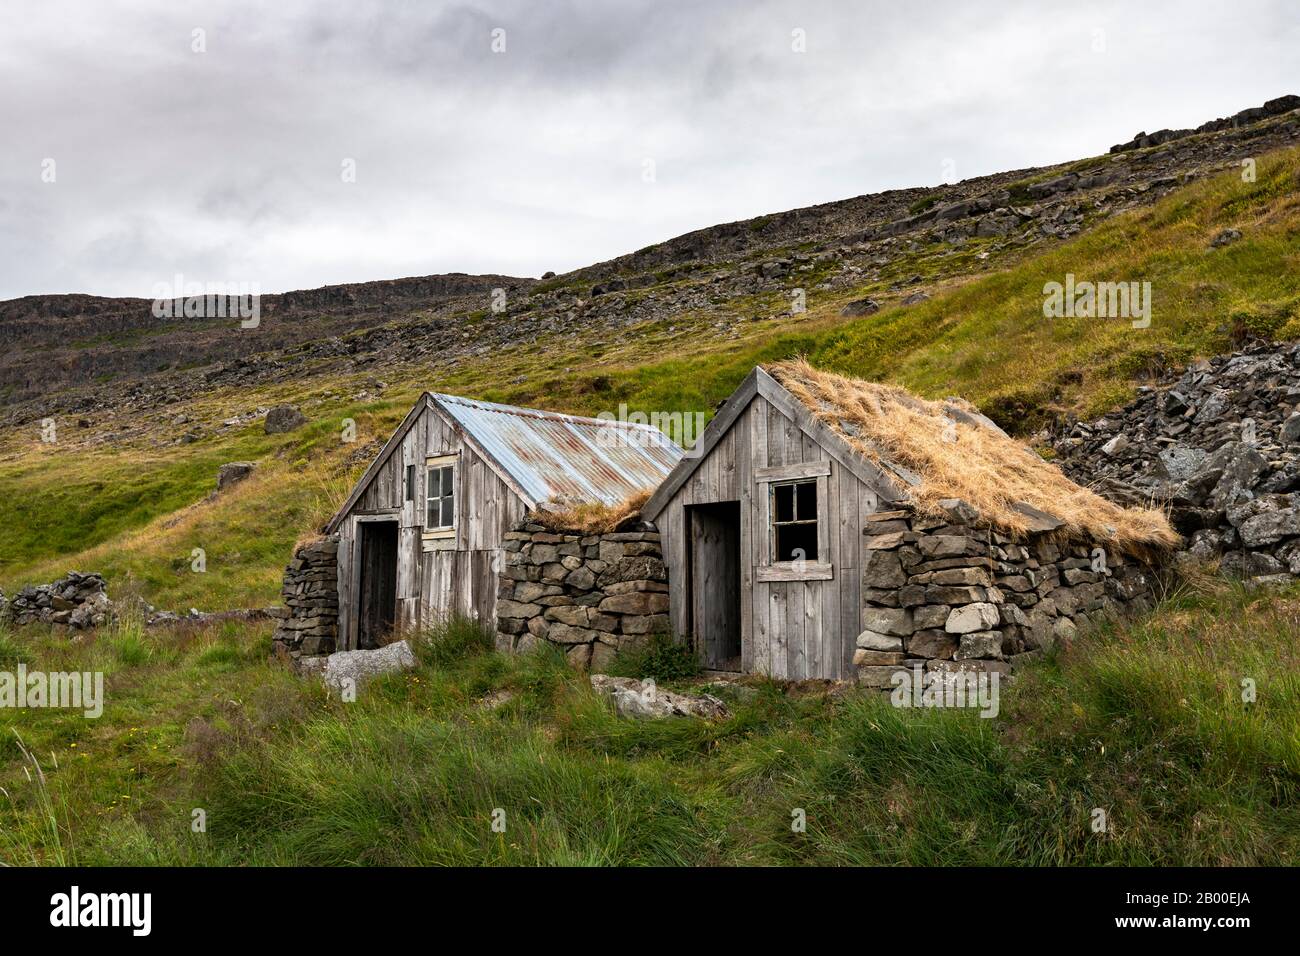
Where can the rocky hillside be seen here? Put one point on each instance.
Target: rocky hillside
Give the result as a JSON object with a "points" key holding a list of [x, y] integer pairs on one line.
{"points": [[1219, 445], [80, 353], [67, 341]]}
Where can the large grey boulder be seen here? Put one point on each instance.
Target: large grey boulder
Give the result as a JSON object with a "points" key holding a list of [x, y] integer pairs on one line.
{"points": [[1178, 462], [859, 307], [352, 668], [1240, 474]]}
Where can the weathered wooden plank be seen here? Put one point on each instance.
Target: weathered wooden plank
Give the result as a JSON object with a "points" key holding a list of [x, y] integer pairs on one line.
{"points": [[793, 627], [744, 492], [831, 643], [775, 436], [813, 627], [760, 637], [850, 618], [344, 581], [777, 633], [791, 472]]}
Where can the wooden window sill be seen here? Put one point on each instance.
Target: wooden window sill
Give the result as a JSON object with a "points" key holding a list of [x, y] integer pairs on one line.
{"points": [[787, 571]]}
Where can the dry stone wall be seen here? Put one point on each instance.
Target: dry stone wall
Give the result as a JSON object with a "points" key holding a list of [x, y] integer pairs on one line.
{"points": [[311, 597], [951, 594], [590, 594], [76, 600]]}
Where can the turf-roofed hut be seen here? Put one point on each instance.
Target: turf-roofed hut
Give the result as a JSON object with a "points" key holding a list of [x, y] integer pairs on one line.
{"points": [[421, 535], [827, 527]]}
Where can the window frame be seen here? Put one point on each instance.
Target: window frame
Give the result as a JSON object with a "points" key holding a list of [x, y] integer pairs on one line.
{"points": [[797, 517], [768, 480], [440, 536]]}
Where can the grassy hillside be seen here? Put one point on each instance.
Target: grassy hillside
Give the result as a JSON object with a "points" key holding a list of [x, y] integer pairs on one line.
{"points": [[1146, 723], [135, 507]]}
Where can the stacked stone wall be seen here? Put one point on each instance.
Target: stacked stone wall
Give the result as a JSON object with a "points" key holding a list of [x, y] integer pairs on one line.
{"points": [[590, 594], [309, 626], [951, 594]]}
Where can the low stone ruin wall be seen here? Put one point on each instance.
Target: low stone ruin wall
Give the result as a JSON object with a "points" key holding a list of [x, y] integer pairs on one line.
{"points": [[76, 600], [956, 596], [311, 597], [590, 594]]}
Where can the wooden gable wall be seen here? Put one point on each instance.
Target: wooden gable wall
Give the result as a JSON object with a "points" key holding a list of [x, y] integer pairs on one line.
{"points": [[460, 577], [789, 629]]}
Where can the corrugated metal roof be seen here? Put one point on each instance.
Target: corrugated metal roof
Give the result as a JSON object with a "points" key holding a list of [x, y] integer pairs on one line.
{"points": [[556, 457]]}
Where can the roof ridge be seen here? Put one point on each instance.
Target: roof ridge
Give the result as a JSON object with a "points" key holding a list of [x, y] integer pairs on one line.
{"points": [[526, 412]]}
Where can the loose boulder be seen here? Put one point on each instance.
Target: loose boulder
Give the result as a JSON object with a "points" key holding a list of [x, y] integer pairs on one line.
{"points": [[643, 699], [284, 418], [232, 473], [352, 668]]}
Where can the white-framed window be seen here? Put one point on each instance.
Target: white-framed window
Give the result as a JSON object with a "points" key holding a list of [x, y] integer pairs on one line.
{"points": [[440, 494]]}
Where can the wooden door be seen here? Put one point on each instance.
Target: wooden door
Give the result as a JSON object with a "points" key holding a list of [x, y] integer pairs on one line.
{"points": [[378, 611], [715, 584]]}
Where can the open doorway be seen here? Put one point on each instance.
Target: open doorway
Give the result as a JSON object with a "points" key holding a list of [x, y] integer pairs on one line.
{"points": [[715, 583], [378, 610]]}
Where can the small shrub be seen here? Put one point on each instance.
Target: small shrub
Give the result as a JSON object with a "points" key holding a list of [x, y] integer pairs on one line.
{"points": [[661, 657], [922, 204], [130, 649]]}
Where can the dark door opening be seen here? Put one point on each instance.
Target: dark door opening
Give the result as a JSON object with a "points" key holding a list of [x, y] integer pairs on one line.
{"points": [[715, 583], [378, 591]]}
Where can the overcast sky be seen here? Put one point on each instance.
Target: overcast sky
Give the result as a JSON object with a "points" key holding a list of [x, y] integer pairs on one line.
{"points": [[600, 128]]}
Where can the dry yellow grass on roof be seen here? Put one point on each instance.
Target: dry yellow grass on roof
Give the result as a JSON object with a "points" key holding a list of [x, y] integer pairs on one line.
{"points": [[591, 517], [956, 453]]}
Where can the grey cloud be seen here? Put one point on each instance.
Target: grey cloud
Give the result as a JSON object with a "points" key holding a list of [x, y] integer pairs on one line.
{"points": [[226, 165]]}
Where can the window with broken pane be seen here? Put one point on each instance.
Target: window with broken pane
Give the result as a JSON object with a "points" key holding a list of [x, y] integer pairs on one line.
{"points": [[794, 521]]}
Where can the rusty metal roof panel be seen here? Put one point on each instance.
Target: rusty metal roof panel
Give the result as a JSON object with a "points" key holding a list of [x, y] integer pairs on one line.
{"points": [[564, 458]]}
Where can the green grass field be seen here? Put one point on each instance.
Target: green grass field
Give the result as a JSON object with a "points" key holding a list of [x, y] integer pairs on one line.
{"points": [[1146, 723]]}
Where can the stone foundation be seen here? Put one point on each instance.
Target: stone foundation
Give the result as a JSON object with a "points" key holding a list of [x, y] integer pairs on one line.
{"points": [[953, 595], [590, 594], [311, 597]]}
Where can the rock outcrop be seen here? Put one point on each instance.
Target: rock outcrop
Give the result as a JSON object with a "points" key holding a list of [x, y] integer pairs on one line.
{"points": [[643, 699], [348, 670], [283, 418], [232, 473]]}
